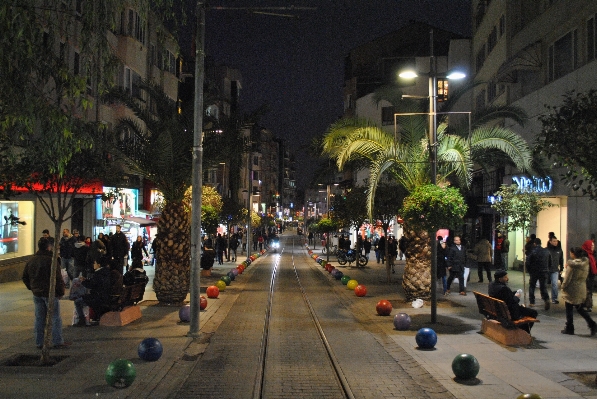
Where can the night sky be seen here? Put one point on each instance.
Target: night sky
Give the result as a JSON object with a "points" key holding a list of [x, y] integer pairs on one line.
{"points": [[296, 66]]}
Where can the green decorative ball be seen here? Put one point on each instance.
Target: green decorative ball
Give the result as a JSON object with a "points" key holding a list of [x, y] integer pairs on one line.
{"points": [[226, 279], [345, 279], [465, 366], [121, 373]]}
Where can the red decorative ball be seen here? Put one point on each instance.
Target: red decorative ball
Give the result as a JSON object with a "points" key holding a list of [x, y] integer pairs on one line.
{"points": [[384, 308], [212, 291], [202, 302], [360, 290]]}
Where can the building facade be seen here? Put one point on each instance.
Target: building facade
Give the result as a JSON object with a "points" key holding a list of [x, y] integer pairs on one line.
{"points": [[530, 53]]}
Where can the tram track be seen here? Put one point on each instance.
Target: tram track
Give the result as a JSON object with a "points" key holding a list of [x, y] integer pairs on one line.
{"points": [[339, 389]]}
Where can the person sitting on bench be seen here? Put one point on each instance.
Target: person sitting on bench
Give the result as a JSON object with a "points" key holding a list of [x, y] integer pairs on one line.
{"points": [[98, 298], [499, 289]]}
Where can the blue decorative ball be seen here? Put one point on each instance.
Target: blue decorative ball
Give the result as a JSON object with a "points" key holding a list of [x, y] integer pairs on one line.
{"points": [[150, 349], [426, 338]]}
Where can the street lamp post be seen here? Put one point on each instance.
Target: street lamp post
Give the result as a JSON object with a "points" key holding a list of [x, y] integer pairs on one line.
{"points": [[432, 131]]}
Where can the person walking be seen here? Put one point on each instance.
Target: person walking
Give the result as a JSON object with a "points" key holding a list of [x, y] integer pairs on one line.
{"points": [[589, 247], [80, 254], [555, 267], [483, 252], [367, 247], [381, 248], [36, 277], [505, 250], [220, 248], [137, 251], [574, 289], [539, 261], [402, 247], [456, 261], [67, 253], [441, 263], [120, 249], [392, 252]]}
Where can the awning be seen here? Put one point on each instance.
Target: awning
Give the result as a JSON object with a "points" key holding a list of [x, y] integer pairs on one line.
{"points": [[141, 221]]}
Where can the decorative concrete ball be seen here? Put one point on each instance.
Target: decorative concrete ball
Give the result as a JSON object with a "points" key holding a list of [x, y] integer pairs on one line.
{"points": [[402, 321], [465, 366], [226, 279], [150, 349], [121, 373], [234, 271], [529, 396], [202, 303], [351, 284], [240, 269], [231, 275], [331, 269], [221, 285], [345, 279], [426, 338], [334, 272], [338, 275], [360, 290], [184, 314], [213, 291], [383, 307]]}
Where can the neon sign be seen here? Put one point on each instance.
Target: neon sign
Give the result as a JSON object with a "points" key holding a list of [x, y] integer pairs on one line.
{"points": [[540, 185]]}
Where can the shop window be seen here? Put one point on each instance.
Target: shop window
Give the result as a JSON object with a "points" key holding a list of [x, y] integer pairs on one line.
{"points": [[442, 90], [16, 232]]}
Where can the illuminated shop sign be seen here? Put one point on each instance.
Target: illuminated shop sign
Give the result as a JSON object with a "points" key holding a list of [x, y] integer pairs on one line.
{"points": [[539, 185]]}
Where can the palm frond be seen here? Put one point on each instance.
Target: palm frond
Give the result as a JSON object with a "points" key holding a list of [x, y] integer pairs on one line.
{"points": [[505, 141]]}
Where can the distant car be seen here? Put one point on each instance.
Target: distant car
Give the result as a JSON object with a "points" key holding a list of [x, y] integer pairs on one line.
{"points": [[274, 244]]}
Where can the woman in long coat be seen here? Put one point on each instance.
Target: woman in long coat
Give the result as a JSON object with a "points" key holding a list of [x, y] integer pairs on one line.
{"points": [[574, 289]]}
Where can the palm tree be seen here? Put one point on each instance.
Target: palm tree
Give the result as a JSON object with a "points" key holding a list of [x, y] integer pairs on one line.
{"points": [[158, 144], [406, 161]]}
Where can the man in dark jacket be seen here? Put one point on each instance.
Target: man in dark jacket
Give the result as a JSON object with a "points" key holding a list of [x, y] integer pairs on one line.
{"points": [[67, 253], [120, 249], [556, 266], [36, 277], [456, 261], [499, 289], [538, 261], [98, 298]]}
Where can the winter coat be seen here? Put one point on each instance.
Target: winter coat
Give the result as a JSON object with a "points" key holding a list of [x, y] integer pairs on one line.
{"points": [[456, 258], [574, 286], [557, 259], [539, 261], [67, 247], [501, 291], [97, 250], [137, 250], [441, 260], [36, 275], [120, 245], [100, 288], [483, 251]]}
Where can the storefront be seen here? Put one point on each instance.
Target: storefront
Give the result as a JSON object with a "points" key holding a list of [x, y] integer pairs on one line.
{"points": [[17, 236]]}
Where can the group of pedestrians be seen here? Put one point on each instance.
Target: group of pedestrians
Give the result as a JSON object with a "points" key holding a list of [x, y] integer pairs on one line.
{"points": [[547, 264]]}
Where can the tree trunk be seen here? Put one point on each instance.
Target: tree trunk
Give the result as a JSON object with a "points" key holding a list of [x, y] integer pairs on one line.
{"points": [[417, 272], [45, 350], [173, 268]]}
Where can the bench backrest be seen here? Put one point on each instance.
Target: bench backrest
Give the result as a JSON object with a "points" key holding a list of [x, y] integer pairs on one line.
{"points": [[493, 308], [131, 294]]}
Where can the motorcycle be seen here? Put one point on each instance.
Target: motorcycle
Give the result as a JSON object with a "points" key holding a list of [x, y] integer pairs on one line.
{"points": [[350, 256]]}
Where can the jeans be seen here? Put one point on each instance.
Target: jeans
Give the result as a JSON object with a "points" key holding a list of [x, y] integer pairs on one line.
{"points": [[484, 266], [444, 283], [542, 278], [68, 264], [554, 277], [41, 310], [505, 260]]}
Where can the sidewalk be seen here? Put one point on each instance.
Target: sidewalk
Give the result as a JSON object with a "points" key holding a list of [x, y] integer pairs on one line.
{"points": [[506, 372]]}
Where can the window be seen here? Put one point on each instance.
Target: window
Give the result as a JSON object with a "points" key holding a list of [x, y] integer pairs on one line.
{"points": [[135, 87], [491, 91], [480, 59], [132, 25], [562, 56], [591, 38], [492, 40], [387, 116], [480, 100], [502, 25], [126, 79], [442, 90], [168, 62]]}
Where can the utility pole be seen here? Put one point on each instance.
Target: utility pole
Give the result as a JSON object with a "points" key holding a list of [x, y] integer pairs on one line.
{"points": [[197, 173]]}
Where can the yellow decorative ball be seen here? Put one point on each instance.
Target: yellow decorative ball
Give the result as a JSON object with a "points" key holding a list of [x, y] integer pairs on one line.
{"points": [[221, 285], [351, 285]]}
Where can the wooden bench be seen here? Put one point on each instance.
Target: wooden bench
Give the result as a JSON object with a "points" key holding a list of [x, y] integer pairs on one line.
{"points": [[124, 308], [498, 323]]}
